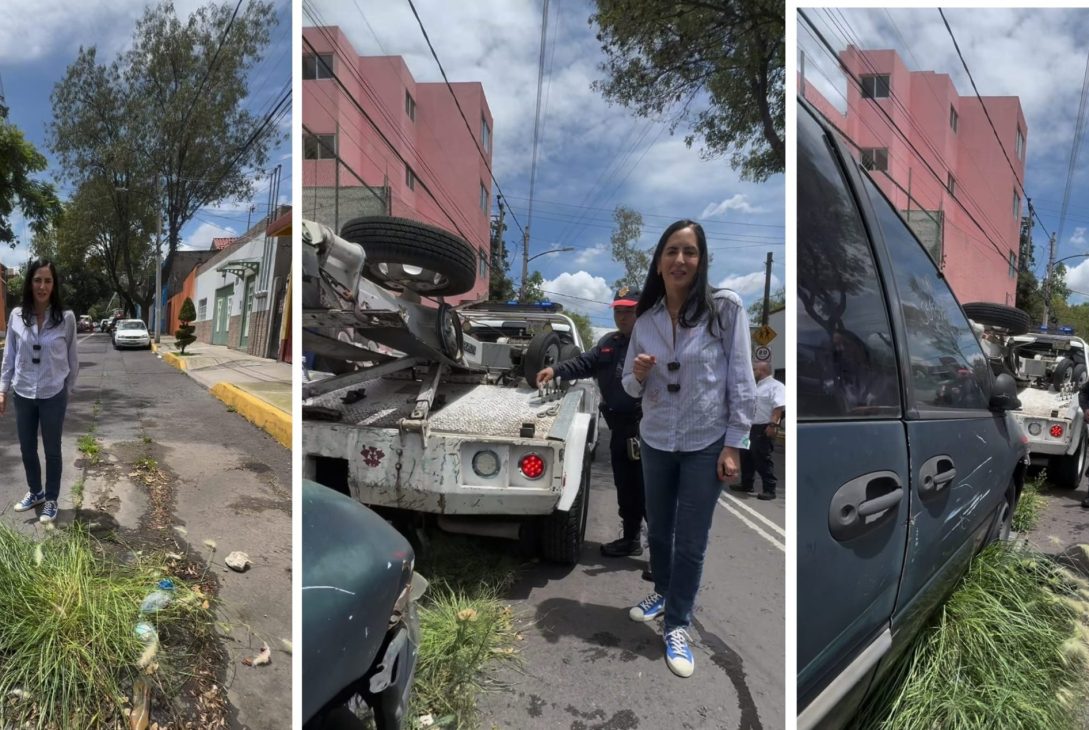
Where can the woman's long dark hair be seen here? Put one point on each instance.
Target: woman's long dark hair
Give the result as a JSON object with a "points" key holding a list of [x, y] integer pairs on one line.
{"points": [[698, 301], [56, 310]]}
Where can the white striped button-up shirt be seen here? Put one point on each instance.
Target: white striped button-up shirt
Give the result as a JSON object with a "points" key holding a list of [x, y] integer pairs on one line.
{"points": [[58, 357], [717, 392]]}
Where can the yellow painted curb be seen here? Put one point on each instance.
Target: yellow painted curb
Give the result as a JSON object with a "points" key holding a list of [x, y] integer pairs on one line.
{"points": [[264, 415], [179, 362]]}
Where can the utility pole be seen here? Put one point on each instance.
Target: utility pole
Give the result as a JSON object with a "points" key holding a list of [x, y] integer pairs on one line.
{"points": [[525, 264], [158, 261], [1047, 281], [767, 291]]}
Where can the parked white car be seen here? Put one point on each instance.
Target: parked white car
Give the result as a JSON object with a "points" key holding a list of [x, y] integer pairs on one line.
{"points": [[131, 333]]}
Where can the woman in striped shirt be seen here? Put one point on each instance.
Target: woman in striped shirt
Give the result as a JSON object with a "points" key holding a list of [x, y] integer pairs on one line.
{"points": [[38, 372], [690, 362]]}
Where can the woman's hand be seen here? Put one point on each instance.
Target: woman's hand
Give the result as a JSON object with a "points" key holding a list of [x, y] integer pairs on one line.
{"points": [[3, 403], [641, 366], [728, 460]]}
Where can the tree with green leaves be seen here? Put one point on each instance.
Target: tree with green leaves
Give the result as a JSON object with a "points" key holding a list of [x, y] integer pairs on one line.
{"points": [[184, 334], [624, 240], [534, 288], [500, 286], [776, 301], [35, 200], [665, 58], [168, 119], [585, 328]]}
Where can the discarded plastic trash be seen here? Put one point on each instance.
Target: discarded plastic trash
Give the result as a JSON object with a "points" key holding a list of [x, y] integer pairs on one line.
{"points": [[145, 632], [159, 598]]}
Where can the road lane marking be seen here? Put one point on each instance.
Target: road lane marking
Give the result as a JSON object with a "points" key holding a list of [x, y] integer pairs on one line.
{"points": [[757, 515], [756, 528]]}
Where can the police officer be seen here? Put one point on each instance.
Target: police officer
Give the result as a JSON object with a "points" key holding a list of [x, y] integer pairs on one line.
{"points": [[1083, 401], [605, 362]]}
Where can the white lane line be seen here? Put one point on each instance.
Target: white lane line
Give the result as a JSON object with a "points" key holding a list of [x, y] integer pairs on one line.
{"points": [[757, 515], [756, 528]]}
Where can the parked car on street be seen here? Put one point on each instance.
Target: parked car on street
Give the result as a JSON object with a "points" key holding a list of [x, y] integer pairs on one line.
{"points": [[360, 627], [131, 333], [85, 324], [911, 458]]}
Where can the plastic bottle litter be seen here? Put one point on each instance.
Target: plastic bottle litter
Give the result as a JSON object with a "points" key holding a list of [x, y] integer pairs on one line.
{"points": [[160, 598], [145, 632]]}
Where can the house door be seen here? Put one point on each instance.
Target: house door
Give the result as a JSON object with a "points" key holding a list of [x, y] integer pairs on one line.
{"points": [[221, 317], [247, 309]]}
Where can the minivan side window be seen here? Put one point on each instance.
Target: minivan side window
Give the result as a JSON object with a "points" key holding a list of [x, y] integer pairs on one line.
{"points": [[948, 368], [846, 360]]}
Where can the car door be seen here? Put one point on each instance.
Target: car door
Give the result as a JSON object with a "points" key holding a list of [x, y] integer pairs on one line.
{"points": [[962, 455], [852, 447]]}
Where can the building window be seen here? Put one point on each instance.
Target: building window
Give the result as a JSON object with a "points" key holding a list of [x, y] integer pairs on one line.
{"points": [[1020, 145], [202, 310], [485, 134], [875, 86], [876, 158], [483, 198], [318, 67], [1016, 206], [319, 146], [483, 264], [1013, 265], [953, 119], [951, 185], [410, 106], [410, 178]]}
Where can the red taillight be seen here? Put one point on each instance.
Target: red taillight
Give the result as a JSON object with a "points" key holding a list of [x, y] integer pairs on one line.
{"points": [[532, 466], [1056, 431]]}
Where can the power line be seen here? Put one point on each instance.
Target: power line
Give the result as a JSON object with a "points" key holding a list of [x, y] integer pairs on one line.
{"points": [[987, 113], [457, 103]]}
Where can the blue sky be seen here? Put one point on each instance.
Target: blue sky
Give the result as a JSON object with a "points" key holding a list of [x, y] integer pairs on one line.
{"points": [[591, 157], [1037, 54], [36, 47]]}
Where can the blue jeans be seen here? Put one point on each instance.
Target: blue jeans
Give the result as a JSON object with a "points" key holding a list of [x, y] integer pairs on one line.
{"points": [[682, 488], [47, 413]]}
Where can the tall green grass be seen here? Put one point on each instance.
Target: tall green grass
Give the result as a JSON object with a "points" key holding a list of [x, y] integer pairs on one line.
{"points": [[68, 650], [1010, 649], [1029, 504]]}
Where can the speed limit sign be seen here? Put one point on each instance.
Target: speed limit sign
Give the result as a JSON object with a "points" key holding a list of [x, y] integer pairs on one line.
{"points": [[763, 353]]}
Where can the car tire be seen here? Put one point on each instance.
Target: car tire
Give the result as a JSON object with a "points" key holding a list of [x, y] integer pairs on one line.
{"points": [[1066, 471], [1012, 319], [562, 533], [1003, 520], [1080, 375], [448, 263], [543, 352]]}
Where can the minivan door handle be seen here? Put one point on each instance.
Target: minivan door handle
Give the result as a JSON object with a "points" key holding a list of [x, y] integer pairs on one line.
{"points": [[936, 474], [863, 503]]}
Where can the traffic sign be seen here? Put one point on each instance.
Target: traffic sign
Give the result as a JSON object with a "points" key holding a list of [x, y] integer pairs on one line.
{"points": [[763, 353], [764, 335]]}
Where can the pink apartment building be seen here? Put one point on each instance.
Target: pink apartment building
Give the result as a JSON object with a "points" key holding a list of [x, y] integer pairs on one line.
{"points": [[403, 147], [952, 135]]}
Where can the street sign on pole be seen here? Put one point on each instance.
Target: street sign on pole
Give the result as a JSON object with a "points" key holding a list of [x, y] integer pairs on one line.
{"points": [[763, 353], [763, 335]]}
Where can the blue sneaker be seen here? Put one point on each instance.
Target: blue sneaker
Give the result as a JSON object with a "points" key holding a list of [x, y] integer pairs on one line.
{"points": [[648, 609], [49, 512], [30, 501], [678, 655]]}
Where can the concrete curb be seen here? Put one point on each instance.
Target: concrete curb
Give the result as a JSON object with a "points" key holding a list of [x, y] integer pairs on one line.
{"points": [[264, 415], [179, 362]]}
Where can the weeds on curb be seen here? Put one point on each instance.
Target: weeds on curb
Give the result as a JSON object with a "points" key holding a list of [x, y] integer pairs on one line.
{"points": [[1010, 649], [1029, 504], [88, 446]]}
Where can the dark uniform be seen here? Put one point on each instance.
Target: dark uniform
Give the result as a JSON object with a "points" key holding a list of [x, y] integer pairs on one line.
{"points": [[605, 362], [1083, 401]]}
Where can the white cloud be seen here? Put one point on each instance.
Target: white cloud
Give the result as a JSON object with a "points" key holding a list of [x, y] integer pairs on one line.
{"points": [[596, 254], [1078, 237], [736, 202], [200, 238], [581, 291], [749, 285]]}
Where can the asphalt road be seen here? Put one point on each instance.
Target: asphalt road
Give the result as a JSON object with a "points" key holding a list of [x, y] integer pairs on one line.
{"points": [[588, 666], [231, 484]]}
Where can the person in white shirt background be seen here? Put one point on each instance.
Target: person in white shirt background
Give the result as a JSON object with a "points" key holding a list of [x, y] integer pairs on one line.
{"points": [[38, 372], [770, 402], [689, 359]]}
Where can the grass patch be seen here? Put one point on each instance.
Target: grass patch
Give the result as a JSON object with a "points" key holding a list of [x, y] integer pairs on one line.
{"points": [[77, 493], [466, 628], [69, 652], [231, 409], [147, 464], [1010, 649], [88, 446], [1029, 504]]}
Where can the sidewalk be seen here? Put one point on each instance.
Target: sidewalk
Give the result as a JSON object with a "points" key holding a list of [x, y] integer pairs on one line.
{"points": [[257, 388]]}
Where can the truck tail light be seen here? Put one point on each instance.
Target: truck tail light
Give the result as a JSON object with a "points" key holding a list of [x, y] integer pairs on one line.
{"points": [[532, 466], [1057, 431]]}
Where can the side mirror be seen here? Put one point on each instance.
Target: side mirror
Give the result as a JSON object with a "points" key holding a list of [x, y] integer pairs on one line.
{"points": [[1004, 393]]}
